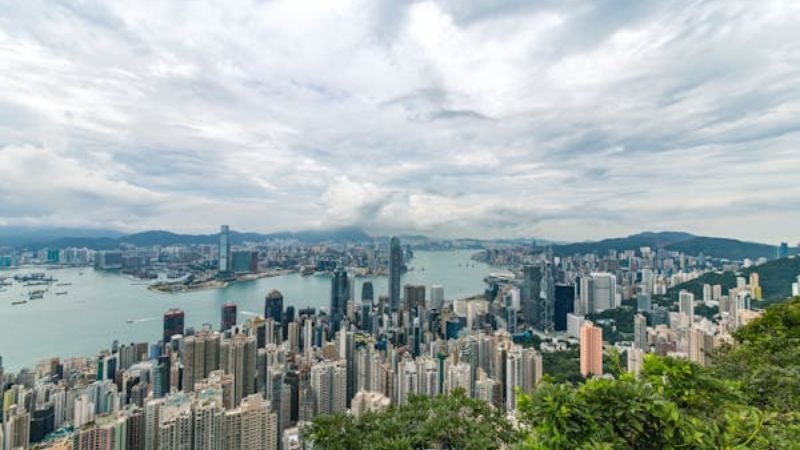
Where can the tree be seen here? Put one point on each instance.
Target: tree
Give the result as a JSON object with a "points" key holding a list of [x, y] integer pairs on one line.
{"points": [[444, 422]]}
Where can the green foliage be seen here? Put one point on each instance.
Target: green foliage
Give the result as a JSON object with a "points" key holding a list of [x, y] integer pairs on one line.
{"points": [[749, 399], [445, 422], [622, 328], [615, 413], [563, 367], [692, 388], [776, 279], [766, 359]]}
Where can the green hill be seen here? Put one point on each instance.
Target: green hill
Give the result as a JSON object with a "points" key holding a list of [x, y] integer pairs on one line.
{"points": [[689, 244], [776, 278]]}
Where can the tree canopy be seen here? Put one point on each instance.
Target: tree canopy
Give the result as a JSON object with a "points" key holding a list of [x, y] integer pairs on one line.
{"points": [[749, 399]]}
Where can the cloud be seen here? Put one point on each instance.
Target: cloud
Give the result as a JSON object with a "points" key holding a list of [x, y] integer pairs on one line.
{"points": [[566, 120]]}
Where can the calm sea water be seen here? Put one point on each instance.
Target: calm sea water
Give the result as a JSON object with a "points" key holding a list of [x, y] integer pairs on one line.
{"points": [[98, 305]]}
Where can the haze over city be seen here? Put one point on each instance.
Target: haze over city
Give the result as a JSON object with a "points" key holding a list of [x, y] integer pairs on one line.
{"points": [[564, 120]]}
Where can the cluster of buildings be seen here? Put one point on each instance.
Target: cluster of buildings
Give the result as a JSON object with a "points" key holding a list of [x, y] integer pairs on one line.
{"points": [[253, 385]]}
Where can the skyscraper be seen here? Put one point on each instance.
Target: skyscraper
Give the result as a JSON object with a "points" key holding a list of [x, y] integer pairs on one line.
{"points": [[640, 332], [686, 305], [591, 350], [173, 323], [329, 387], [228, 316], [250, 426], [273, 306], [604, 292], [530, 292], [340, 291], [413, 297], [224, 249], [437, 296], [238, 358], [395, 272], [367, 293], [565, 304], [200, 356]]}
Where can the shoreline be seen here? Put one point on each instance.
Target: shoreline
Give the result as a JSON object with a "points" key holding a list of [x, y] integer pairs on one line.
{"points": [[180, 287]]}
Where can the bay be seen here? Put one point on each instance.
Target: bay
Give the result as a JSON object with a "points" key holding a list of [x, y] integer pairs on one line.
{"points": [[99, 305]]}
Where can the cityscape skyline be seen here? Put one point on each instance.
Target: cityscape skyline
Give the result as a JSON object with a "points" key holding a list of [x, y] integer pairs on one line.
{"points": [[571, 121]]}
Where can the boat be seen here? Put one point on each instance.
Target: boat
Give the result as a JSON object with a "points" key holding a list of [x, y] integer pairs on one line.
{"points": [[62, 293], [21, 302], [35, 295], [64, 284]]}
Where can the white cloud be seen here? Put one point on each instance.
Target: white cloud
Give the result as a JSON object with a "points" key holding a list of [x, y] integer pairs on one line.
{"points": [[568, 120]]}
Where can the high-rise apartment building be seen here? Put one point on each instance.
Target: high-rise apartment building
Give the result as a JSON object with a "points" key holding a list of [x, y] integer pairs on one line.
{"points": [[591, 350], [640, 332]]}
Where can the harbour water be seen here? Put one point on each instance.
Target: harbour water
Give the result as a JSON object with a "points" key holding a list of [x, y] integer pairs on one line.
{"points": [[98, 306]]}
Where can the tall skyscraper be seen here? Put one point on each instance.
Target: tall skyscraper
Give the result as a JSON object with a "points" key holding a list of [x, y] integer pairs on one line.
{"points": [[238, 358], [273, 306], [604, 291], [329, 387], [173, 323], [591, 350], [564, 304], [395, 272], [686, 306], [224, 249], [547, 298], [367, 292], [228, 314], [250, 426], [340, 292], [530, 293], [200, 356], [437, 296], [413, 297], [640, 332]]}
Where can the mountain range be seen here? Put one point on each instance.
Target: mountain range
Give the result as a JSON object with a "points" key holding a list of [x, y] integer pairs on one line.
{"points": [[723, 248], [101, 239]]}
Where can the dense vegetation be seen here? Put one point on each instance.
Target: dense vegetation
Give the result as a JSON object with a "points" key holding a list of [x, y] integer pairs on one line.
{"points": [[617, 323], [776, 278], [731, 249], [453, 421], [750, 399]]}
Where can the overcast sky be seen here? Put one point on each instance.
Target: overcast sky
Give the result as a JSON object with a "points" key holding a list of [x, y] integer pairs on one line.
{"points": [[560, 119]]}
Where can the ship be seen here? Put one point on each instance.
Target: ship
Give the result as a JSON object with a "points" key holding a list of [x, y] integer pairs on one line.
{"points": [[64, 284], [35, 295], [62, 293], [21, 302]]}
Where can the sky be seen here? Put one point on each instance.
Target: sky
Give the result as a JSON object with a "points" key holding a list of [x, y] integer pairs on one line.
{"points": [[566, 120]]}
